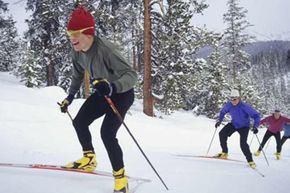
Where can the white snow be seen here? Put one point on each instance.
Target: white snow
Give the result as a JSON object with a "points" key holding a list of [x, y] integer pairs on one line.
{"points": [[34, 131]]}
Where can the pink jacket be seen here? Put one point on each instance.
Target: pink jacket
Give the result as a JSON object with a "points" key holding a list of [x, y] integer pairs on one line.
{"points": [[274, 125]]}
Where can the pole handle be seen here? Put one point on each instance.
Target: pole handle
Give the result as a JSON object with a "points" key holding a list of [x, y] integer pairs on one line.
{"points": [[66, 112]]}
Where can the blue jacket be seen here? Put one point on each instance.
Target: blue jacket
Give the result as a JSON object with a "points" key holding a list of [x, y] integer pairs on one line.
{"points": [[286, 130], [241, 114]]}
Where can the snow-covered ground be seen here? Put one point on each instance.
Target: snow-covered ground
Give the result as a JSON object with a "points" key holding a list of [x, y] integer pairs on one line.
{"points": [[34, 131]]}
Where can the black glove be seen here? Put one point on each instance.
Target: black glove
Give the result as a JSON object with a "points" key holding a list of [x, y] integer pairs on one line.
{"points": [[65, 103], [217, 124], [255, 130], [103, 87]]}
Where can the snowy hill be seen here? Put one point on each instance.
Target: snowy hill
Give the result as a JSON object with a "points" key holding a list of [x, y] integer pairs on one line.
{"points": [[34, 131]]}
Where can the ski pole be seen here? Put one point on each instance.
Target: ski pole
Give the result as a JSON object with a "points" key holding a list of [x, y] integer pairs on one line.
{"points": [[66, 112], [262, 149], [113, 107], [252, 140], [211, 141]]}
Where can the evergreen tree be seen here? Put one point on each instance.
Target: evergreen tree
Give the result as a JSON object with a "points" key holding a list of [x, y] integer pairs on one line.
{"points": [[238, 61], [235, 39], [9, 53], [213, 84], [173, 55], [43, 33], [28, 70]]}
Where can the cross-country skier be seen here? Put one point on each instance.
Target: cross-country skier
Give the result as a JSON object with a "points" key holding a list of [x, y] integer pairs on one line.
{"points": [[274, 125], [241, 113], [110, 76], [286, 134]]}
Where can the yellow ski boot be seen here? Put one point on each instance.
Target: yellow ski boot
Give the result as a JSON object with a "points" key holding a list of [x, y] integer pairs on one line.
{"points": [[222, 155], [252, 164], [257, 153], [278, 155], [121, 181], [87, 162]]}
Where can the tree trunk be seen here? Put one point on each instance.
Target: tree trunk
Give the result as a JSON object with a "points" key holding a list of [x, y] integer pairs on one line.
{"points": [[147, 87], [134, 50], [50, 73], [87, 84]]}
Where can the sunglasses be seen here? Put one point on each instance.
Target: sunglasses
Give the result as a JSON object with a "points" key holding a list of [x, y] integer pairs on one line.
{"points": [[76, 33], [234, 99]]}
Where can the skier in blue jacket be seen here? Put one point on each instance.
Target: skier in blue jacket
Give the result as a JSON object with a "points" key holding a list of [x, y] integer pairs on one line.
{"points": [[241, 113], [286, 133]]}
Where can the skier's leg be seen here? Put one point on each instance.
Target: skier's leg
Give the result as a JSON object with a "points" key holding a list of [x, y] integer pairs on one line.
{"points": [[278, 141], [226, 132], [93, 108], [267, 135], [110, 126], [109, 129], [244, 132], [283, 141]]}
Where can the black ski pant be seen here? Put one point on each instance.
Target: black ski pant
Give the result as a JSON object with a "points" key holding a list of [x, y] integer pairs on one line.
{"points": [[227, 131], [267, 136], [95, 107], [284, 138]]}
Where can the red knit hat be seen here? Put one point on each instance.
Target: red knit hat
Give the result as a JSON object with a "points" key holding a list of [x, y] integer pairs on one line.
{"points": [[80, 19]]}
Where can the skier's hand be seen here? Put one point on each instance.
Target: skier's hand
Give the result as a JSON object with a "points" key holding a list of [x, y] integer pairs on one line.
{"points": [[65, 103], [217, 124], [255, 130], [103, 87]]}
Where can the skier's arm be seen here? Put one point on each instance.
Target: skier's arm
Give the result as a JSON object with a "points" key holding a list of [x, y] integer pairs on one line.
{"points": [[77, 78], [264, 121], [127, 76], [254, 115], [224, 111], [287, 120]]}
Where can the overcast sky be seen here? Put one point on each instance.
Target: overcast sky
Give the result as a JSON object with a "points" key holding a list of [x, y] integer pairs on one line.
{"points": [[271, 18]]}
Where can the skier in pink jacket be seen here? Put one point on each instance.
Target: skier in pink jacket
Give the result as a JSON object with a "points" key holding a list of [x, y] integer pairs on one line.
{"points": [[274, 124]]}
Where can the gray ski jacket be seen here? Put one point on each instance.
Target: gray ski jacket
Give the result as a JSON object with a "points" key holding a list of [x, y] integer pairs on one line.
{"points": [[102, 60]]}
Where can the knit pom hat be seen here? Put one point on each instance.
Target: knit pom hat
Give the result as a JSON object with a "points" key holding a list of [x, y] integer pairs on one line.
{"points": [[80, 19]]}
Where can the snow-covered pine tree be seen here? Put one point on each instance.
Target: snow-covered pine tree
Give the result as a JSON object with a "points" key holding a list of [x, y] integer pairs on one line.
{"points": [[212, 82], [174, 55], [235, 39], [270, 72], [28, 70], [64, 67], [238, 61], [48, 40], [9, 53], [43, 33], [116, 19], [127, 27]]}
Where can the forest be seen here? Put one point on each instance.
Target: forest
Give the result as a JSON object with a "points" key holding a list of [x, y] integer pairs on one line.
{"points": [[190, 68]]}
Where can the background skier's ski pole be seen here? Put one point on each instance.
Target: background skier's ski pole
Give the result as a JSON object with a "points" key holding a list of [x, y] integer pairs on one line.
{"points": [[211, 141], [252, 140], [110, 102], [262, 149]]}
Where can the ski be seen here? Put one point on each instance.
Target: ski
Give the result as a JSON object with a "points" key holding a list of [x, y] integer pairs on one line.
{"points": [[210, 157], [60, 168], [213, 157]]}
